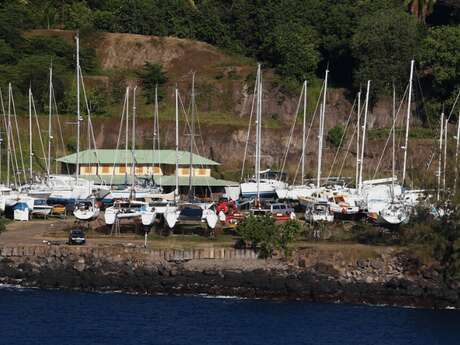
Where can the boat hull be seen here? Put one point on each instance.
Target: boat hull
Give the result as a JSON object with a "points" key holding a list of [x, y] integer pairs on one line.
{"points": [[89, 214]]}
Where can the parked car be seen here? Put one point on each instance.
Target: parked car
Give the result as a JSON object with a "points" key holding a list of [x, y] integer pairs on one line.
{"points": [[282, 212], [77, 236]]}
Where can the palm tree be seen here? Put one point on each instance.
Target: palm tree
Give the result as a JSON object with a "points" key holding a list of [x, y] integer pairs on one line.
{"points": [[420, 8]]}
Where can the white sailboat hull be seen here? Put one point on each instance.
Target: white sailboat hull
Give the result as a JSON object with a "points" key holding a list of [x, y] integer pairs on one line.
{"points": [[89, 214], [21, 215], [211, 218], [267, 188], [42, 210], [393, 214], [148, 218], [294, 192], [171, 215], [110, 215]]}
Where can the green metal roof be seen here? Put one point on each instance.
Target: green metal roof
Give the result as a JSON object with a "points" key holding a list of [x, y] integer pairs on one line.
{"points": [[169, 180], [108, 156]]}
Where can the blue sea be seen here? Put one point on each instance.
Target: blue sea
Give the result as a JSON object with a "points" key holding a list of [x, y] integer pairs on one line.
{"points": [[33, 316]]}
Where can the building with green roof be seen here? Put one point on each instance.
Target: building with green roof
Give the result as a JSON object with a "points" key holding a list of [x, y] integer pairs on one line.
{"points": [[114, 167]]}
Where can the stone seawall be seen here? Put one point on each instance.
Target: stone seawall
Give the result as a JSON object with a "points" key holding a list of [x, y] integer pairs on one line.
{"points": [[384, 277], [153, 254]]}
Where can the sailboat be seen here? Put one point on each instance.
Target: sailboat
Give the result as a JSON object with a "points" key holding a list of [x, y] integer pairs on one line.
{"points": [[264, 183], [87, 210], [128, 208], [396, 211], [305, 191], [36, 187], [159, 202], [385, 200], [142, 187], [9, 194], [66, 189], [26, 207], [193, 212]]}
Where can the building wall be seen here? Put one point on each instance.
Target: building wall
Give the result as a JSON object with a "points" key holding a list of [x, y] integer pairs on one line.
{"points": [[119, 170], [196, 172], [140, 170]]}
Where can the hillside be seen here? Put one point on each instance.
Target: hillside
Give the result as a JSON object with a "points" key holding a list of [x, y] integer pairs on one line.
{"points": [[224, 93]]}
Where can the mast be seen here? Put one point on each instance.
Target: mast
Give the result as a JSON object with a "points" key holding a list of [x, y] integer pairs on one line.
{"points": [[176, 191], [133, 149], [304, 129], [77, 172], [50, 134], [8, 138], [440, 157], [393, 153], [445, 158], [127, 131], [357, 140], [409, 100], [258, 129], [321, 131], [156, 131], [192, 133], [30, 136], [366, 108], [456, 154]]}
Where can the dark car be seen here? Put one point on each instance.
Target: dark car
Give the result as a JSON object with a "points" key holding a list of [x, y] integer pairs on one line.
{"points": [[77, 236]]}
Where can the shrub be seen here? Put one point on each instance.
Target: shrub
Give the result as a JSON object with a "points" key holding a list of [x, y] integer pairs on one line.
{"points": [[152, 75], [3, 222], [287, 233], [335, 134], [253, 230], [440, 237], [368, 234], [262, 233]]}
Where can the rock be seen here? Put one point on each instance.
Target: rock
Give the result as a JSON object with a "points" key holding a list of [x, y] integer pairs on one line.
{"points": [[400, 280]]}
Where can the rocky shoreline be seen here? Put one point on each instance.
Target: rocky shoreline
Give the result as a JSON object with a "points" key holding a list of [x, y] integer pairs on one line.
{"points": [[387, 277]]}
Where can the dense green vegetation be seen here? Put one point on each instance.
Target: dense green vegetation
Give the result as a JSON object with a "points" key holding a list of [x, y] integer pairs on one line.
{"points": [[264, 235], [152, 77], [356, 39], [335, 135]]}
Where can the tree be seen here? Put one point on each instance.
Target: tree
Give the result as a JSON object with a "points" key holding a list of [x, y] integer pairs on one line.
{"points": [[287, 233], [7, 53], [440, 64], [335, 134], [383, 45], [263, 234], [77, 15], [152, 75], [32, 70], [420, 8], [292, 49]]}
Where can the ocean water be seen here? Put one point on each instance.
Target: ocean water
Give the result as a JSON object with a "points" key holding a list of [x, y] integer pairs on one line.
{"points": [[33, 316]]}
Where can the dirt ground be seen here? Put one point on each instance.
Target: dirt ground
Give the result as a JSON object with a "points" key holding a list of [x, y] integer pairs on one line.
{"points": [[55, 231], [38, 232]]}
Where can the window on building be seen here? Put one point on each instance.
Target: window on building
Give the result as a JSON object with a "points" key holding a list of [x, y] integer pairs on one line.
{"points": [[122, 169], [156, 170], [184, 172], [105, 169], [87, 169], [201, 172]]}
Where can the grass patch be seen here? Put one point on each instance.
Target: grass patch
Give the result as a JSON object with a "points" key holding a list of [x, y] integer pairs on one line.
{"points": [[414, 133]]}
